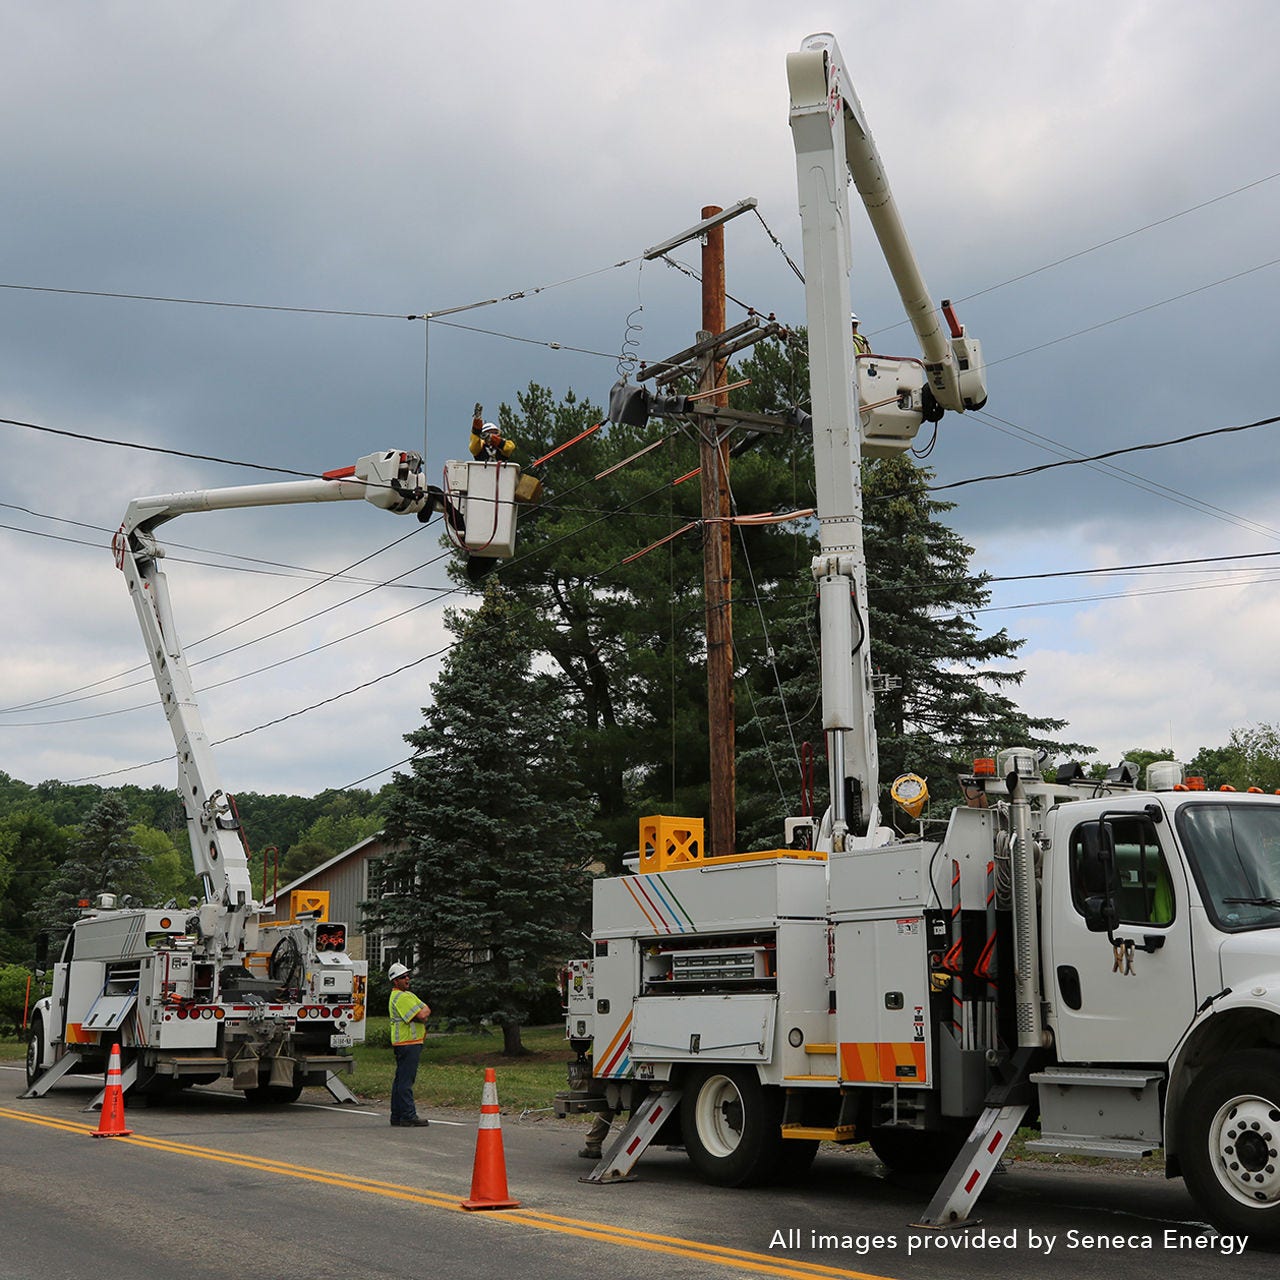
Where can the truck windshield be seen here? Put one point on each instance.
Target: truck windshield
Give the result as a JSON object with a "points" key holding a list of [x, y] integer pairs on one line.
{"points": [[1235, 855]]}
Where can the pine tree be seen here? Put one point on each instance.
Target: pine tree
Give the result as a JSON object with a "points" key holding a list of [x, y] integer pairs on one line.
{"points": [[103, 857], [485, 888]]}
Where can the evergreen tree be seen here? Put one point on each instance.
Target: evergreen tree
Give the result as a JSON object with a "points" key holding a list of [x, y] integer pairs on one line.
{"points": [[484, 889], [944, 699], [102, 857]]}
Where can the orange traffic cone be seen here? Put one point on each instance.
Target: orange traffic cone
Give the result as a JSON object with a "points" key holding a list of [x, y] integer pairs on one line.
{"points": [[111, 1123], [489, 1174]]}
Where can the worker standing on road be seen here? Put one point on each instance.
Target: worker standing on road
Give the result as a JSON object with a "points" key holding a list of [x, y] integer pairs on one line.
{"points": [[408, 1032]]}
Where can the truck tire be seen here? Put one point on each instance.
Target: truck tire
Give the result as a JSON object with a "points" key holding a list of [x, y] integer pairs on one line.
{"points": [[273, 1095], [1231, 1149], [908, 1151], [35, 1050], [732, 1126]]}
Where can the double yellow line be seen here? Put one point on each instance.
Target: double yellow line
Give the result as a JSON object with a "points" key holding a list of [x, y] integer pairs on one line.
{"points": [[625, 1237]]}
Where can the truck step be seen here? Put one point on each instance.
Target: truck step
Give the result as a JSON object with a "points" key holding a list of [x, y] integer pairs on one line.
{"points": [[826, 1079], [832, 1133], [1085, 1144], [1109, 1078], [821, 1048]]}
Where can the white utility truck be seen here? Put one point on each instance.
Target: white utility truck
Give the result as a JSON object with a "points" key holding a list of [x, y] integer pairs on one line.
{"points": [[211, 989], [1099, 961]]}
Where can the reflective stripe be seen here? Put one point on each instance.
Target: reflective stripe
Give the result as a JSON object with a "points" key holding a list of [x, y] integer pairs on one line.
{"points": [[402, 1006]]}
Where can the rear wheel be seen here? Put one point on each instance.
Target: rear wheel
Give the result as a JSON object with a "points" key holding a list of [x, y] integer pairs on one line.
{"points": [[1231, 1157], [273, 1095], [910, 1151], [732, 1126]]}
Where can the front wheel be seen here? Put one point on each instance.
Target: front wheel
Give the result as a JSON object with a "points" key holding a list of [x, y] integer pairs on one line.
{"points": [[732, 1126], [35, 1050], [1231, 1158]]}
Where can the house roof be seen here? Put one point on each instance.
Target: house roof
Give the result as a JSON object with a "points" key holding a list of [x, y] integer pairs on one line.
{"points": [[359, 849]]}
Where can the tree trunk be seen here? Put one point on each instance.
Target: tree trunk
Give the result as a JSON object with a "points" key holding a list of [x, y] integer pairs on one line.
{"points": [[512, 1046]]}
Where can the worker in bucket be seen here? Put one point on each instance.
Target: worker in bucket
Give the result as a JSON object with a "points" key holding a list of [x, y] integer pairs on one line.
{"points": [[861, 347], [408, 1032]]}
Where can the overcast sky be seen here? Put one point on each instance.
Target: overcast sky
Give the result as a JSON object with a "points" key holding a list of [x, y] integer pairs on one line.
{"points": [[1114, 169]]}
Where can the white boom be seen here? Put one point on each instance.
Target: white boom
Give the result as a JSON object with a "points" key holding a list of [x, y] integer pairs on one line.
{"points": [[832, 140], [392, 480]]}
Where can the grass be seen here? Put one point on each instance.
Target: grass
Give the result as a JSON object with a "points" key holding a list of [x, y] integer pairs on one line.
{"points": [[451, 1073]]}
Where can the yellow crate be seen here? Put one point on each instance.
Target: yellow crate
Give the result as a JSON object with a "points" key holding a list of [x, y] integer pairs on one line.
{"points": [[666, 843], [303, 901]]}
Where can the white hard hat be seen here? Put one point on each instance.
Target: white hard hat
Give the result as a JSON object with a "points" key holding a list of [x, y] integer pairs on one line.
{"points": [[853, 316], [397, 971]]}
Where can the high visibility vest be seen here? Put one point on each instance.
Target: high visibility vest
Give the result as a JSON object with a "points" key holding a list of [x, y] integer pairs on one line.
{"points": [[404, 1030]]}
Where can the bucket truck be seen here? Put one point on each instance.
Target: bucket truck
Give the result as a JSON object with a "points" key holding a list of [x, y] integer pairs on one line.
{"points": [[1095, 960], [211, 989]]}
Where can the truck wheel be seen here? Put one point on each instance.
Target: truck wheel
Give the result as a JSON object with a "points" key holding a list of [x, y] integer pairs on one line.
{"points": [[35, 1048], [1231, 1159], [273, 1095], [731, 1125], [909, 1151]]}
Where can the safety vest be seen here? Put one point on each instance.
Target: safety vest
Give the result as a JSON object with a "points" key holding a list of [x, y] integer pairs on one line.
{"points": [[402, 1006]]}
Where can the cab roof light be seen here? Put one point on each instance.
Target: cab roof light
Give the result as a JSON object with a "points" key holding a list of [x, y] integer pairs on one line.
{"points": [[984, 767]]}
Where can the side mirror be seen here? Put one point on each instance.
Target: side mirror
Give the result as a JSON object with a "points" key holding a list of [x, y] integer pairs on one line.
{"points": [[1099, 879], [1101, 915], [42, 952]]}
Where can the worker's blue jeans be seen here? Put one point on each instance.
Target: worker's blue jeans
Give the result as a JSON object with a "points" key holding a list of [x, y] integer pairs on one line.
{"points": [[402, 1104]]}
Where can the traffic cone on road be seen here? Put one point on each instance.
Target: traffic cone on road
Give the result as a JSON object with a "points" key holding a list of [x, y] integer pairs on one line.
{"points": [[111, 1122], [489, 1174]]}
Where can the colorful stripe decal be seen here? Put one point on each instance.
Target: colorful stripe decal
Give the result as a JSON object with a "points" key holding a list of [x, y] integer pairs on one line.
{"points": [[662, 910], [669, 894], [616, 1059], [885, 1062]]}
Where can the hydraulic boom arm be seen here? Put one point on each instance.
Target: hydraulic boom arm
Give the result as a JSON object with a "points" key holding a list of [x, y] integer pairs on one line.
{"points": [[832, 141], [392, 480]]}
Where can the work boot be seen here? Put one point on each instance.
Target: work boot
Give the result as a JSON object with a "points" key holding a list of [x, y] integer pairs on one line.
{"points": [[590, 1153]]}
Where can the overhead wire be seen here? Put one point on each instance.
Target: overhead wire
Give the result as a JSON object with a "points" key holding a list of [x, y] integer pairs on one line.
{"points": [[972, 480]]}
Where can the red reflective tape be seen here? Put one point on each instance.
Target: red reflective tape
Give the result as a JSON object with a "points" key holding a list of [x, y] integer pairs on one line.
{"points": [[635, 1142], [657, 1115], [994, 1143], [973, 1179]]}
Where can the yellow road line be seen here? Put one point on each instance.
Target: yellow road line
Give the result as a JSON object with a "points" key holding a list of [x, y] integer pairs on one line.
{"points": [[702, 1251]]}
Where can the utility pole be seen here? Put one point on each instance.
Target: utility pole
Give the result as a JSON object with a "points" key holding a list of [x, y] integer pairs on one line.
{"points": [[717, 562], [707, 360]]}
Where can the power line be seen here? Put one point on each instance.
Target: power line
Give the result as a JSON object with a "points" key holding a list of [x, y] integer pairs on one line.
{"points": [[1098, 457], [1144, 483], [1137, 311]]}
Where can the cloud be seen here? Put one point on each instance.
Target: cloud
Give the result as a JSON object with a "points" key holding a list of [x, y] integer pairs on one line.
{"points": [[413, 157]]}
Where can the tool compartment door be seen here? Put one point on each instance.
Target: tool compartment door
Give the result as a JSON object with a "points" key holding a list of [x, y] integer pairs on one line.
{"points": [[882, 1001], [718, 1028]]}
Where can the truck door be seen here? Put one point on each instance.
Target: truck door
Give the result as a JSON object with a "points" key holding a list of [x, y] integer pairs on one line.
{"points": [[1127, 997]]}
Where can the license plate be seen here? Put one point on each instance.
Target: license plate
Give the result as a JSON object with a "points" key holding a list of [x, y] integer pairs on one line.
{"points": [[340, 1042]]}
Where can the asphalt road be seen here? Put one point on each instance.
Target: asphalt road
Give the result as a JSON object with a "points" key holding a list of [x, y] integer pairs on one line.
{"points": [[207, 1186]]}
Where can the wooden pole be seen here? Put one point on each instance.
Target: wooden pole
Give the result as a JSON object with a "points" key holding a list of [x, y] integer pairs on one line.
{"points": [[717, 564]]}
